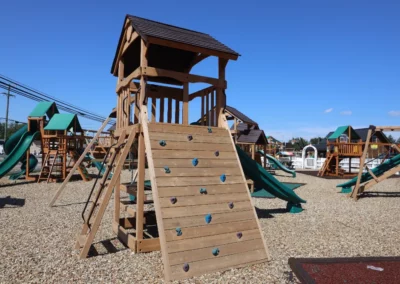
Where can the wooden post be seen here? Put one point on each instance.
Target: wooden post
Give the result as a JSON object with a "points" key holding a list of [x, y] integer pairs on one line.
{"points": [[202, 111], [141, 151], [185, 108], [220, 90], [354, 193]]}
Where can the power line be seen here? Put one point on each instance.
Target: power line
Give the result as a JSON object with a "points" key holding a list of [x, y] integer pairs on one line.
{"points": [[30, 93]]}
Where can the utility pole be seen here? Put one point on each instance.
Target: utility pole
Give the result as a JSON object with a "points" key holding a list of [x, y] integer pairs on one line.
{"points": [[7, 106]]}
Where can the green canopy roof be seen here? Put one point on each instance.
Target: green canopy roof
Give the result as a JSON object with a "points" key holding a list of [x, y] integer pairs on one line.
{"points": [[344, 130], [64, 121], [44, 108]]}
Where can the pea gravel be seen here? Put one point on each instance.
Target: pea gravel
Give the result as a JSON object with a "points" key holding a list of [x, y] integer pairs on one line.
{"points": [[37, 241]]}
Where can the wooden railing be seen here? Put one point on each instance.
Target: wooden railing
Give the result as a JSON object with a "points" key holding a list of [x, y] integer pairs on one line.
{"points": [[348, 149]]}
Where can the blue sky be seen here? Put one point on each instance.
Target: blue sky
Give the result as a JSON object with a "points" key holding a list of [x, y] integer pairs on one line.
{"points": [[305, 68]]}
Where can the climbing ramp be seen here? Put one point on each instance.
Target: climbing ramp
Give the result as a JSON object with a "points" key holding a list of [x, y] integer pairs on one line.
{"points": [[206, 221]]}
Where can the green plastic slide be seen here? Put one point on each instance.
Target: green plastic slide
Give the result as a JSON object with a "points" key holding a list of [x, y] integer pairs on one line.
{"points": [[377, 171], [13, 140], [97, 164], [263, 179], [278, 164], [32, 165], [18, 152]]}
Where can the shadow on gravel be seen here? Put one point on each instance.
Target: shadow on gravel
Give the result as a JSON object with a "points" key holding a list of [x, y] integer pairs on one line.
{"points": [[267, 213], [367, 194], [14, 202], [111, 246], [15, 184], [69, 204]]}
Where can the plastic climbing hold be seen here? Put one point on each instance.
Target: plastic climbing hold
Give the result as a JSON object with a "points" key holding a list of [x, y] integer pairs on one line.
{"points": [[178, 231], [173, 200], [167, 170], [190, 137], [215, 251], [195, 162], [208, 218], [216, 153], [223, 177], [162, 143], [209, 130], [203, 190], [239, 235], [230, 205], [186, 267]]}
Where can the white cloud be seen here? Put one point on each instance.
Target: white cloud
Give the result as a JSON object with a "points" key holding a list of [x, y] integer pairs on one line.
{"points": [[394, 113], [328, 110], [346, 112]]}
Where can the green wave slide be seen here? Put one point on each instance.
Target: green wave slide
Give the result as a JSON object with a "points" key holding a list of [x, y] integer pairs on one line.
{"points": [[377, 171], [97, 164], [18, 152], [277, 163], [264, 179]]}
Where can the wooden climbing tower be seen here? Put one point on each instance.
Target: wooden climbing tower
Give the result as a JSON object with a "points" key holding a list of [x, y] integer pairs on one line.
{"points": [[204, 215], [391, 167], [62, 140], [344, 143]]}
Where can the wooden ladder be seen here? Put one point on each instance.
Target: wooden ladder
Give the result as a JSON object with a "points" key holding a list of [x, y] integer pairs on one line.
{"points": [[101, 198], [325, 166], [46, 169]]}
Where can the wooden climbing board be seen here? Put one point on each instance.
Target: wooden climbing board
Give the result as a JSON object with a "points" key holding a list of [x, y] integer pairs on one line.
{"points": [[205, 217]]}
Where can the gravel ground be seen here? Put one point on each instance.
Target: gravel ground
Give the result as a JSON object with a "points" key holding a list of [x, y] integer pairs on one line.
{"points": [[37, 241]]}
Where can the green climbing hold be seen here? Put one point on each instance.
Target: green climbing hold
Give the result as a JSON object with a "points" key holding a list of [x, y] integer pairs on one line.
{"points": [[209, 130], [223, 177], [167, 170], [203, 190], [178, 231], [162, 143], [215, 251]]}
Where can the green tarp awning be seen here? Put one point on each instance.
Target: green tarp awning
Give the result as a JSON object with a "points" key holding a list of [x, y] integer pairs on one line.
{"points": [[64, 121], [344, 130], [42, 109]]}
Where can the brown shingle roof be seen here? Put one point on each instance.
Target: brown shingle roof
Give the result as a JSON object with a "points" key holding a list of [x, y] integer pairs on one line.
{"points": [[146, 27], [159, 55], [253, 136], [244, 118]]}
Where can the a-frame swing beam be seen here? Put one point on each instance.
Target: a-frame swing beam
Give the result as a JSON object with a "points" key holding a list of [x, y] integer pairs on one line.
{"points": [[78, 162]]}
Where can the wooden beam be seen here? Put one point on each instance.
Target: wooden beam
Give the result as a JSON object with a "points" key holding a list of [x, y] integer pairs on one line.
{"points": [[221, 100], [201, 93], [134, 75], [129, 42], [387, 128], [192, 48], [78, 162], [182, 77], [200, 57]]}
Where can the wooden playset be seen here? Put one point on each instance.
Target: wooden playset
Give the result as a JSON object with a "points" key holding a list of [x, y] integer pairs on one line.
{"points": [[205, 218], [343, 143], [388, 167]]}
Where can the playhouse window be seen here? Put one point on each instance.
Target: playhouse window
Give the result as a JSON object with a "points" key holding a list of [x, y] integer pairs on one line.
{"points": [[343, 138]]}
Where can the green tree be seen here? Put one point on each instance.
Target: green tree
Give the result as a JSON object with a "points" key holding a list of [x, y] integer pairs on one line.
{"points": [[299, 143], [398, 141], [315, 140], [391, 138], [12, 127]]}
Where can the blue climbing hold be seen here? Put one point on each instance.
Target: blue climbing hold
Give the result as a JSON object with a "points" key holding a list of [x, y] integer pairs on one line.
{"points": [[230, 205], [195, 162], [178, 231], [209, 130], [223, 177], [208, 218], [215, 251], [203, 190], [162, 143], [173, 200], [186, 267], [167, 170]]}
